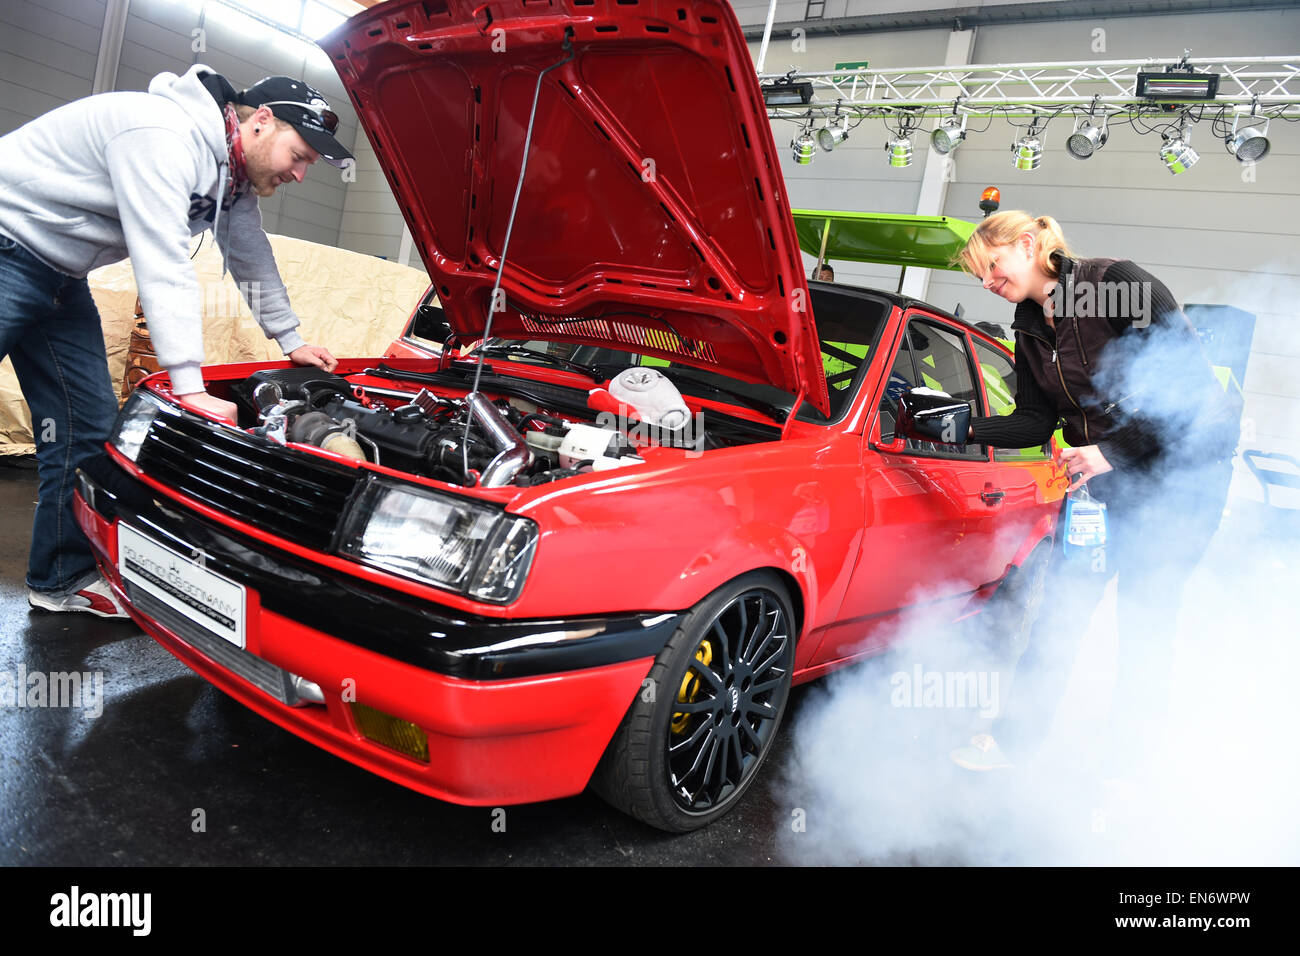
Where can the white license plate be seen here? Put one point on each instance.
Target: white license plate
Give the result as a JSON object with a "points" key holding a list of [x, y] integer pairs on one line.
{"points": [[177, 580]]}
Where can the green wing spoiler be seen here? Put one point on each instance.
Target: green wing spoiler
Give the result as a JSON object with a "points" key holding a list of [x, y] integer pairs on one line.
{"points": [[928, 242]]}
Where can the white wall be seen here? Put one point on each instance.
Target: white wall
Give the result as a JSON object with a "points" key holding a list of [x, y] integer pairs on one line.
{"points": [[753, 13], [1210, 234], [160, 37], [1219, 233], [855, 177], [47, 56], [371, 220], [48, 52]]}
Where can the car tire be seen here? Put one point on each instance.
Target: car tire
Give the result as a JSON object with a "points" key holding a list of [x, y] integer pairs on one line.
{"points": [[1016, 605], [695, 736]]}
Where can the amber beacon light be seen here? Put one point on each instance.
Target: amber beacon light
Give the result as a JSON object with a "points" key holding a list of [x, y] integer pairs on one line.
{"points": [[990, 199]]}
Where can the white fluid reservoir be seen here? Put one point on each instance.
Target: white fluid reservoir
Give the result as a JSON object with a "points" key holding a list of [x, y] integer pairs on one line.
{"points": [[587, 443]]}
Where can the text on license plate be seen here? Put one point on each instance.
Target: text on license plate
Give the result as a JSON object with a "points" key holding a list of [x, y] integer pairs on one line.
{"points": [[207, 599]]}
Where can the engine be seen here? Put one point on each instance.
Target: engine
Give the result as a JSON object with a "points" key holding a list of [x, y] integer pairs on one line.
{"points": [[467, 441]]}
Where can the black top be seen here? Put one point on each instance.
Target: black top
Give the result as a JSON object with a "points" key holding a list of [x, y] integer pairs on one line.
{"points": [[1035, 417]]}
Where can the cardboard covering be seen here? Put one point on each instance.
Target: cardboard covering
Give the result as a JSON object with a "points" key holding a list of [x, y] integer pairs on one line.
{"points": [[351, 303]]}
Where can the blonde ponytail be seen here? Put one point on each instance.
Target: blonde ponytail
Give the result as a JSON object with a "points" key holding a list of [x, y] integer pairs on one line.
{"points": [[1006, 228]]}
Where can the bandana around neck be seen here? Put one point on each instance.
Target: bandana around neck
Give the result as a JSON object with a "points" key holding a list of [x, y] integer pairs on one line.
{"points": [[235, 148]]}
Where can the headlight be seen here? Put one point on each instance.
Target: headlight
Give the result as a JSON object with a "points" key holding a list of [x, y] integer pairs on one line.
{"points": [[133, 423], [442, 540]]}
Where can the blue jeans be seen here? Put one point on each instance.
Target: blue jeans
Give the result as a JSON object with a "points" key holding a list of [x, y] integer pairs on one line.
{"points": [[50, 328]]}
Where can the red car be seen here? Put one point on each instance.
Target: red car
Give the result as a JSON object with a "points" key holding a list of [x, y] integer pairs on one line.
{"points": [[601, 548]]}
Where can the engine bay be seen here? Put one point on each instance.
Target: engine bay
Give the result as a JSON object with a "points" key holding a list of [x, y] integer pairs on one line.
{"points": [[465, 439]]}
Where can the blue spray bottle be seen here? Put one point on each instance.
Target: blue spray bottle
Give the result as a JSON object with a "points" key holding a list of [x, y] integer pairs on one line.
{"points": [[1085, 526]]}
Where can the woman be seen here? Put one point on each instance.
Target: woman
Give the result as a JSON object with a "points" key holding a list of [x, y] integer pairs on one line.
{"points": [[1103, 348]]}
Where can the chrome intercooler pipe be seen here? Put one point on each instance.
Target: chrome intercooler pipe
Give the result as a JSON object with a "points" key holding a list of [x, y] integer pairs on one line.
{"points": [[514, 452]]}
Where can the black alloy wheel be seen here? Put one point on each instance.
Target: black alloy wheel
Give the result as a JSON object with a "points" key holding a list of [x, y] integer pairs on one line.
{"points": [[693, 740]]}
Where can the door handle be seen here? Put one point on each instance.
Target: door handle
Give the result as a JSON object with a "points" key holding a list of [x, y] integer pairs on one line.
{"points": [[991, 495]]}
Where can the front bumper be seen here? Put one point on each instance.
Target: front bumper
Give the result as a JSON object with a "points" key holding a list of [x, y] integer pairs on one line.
{"points": [[513, 711]]}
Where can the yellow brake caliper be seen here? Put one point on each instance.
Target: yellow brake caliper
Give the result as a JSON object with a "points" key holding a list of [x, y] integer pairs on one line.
{"points": [[691, 688]]}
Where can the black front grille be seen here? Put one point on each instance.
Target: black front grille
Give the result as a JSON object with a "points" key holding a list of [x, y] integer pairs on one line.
{"points": [[278, 490]]}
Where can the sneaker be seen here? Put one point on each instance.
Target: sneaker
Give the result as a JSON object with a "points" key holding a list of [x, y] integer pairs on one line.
{"points": [[91, 594], [982, 754]]}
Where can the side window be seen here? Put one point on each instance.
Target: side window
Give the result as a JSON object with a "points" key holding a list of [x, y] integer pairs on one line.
{"points": [[936, 358], [902, 376], [841, 361], [942, 360], [848, 326], [1000, 385]]}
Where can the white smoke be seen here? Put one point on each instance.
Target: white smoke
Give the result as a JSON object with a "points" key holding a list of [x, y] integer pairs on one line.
{"points": [[1220, 786]]}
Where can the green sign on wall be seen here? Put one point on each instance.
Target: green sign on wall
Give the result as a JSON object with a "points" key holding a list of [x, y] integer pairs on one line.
{"points": [[848, 65]]}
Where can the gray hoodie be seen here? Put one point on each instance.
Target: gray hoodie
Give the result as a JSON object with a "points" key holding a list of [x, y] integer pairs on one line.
{"points": [[139, 174]]}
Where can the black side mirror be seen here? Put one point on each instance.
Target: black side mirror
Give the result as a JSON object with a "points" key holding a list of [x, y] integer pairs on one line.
{"points": [[932, 416], [430, 323]]}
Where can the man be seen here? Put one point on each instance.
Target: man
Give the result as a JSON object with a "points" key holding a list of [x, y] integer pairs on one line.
{"points": [[824, 272], [137, 174]]}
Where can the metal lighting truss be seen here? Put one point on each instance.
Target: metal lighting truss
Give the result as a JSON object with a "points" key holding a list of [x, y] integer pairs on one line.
{"points": [[1266, 85]]}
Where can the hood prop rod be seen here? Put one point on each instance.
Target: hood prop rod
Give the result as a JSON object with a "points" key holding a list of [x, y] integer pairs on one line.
{"points": [[567, 46]]}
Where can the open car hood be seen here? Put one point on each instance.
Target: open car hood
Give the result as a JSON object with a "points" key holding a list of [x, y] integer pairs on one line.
{"points": [[652, 216]]}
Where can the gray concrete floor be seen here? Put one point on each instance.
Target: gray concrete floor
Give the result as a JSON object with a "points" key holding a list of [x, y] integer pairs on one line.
{"points": [[850, 780], [123, 787]]}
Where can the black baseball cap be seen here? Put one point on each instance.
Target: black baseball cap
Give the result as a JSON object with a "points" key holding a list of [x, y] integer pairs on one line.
{"points": [[304, 109]]}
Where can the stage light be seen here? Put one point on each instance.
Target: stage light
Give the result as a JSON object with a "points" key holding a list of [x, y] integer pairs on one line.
{"points": [[786, 93], [900, 151], [805, 148], [834, 133], [1086, 139], [1173, 86], [1248, 145], [1027, 152], [1177, 153], [948, 135]]}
